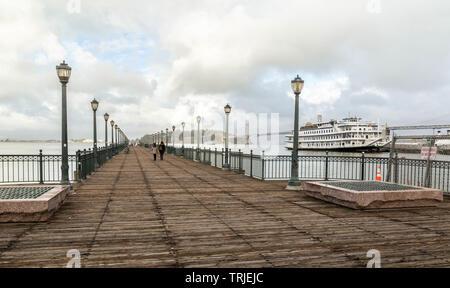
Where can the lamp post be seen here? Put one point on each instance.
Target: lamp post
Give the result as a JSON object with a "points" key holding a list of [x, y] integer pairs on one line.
{"points": [[117, 134], [94, 105], [198, 137], [182, 138], [173, 136], [294, 182], [106, 117], [63, 71], [227, 110], [112, 133]]}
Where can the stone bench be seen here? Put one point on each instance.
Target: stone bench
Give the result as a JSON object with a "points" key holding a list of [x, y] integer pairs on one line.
{"points": [[373, 194], [33, 203]]}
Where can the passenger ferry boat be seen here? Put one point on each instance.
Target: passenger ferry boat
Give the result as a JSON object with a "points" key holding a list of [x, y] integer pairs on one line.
{"points": [[349, 134]]}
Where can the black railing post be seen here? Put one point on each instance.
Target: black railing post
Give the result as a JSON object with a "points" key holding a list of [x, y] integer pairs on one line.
{"points": [[363, 161], [41, 168], [240, 162], [326, 166], [99, 157], [251, 163], [78, 161], [262, 165], [215, 157], [84, 165], [91, 161], [396, 168], [222, 157]]}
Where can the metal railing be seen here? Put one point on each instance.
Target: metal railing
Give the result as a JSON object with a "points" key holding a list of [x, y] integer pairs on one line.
{"points": [[42, 168], [86, 160], [268, 167]]}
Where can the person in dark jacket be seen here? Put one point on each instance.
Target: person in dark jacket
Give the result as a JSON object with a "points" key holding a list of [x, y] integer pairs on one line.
{"points": [[162, 149]]}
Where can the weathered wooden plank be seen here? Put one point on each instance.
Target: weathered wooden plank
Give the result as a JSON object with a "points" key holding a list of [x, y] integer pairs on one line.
{"points": [[135, 212]]}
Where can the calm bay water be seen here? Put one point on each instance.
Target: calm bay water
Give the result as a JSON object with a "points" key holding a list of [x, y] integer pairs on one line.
{"points": [[32, 148], [279, 149], [26, 171]]}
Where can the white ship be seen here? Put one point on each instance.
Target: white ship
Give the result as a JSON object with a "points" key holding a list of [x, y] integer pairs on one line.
{"points": [[351, 134]]}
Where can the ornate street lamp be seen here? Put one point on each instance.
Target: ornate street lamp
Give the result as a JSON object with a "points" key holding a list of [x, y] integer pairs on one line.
{"points": [[227, 110], [94, 106], [117, 133], [294, 182], [63, 71], [173, 136], [106, 117], [198, 137], [112, 132]]}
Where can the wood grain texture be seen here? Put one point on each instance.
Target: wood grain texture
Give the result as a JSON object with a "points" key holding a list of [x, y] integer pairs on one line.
{"points": [[136, 212]]}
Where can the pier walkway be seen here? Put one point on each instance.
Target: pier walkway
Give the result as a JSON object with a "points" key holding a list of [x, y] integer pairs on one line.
{"points": [[136, 212]]}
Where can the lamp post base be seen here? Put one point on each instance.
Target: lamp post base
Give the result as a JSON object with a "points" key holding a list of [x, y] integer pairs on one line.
{"points": [[294, 184], [66, 183]]}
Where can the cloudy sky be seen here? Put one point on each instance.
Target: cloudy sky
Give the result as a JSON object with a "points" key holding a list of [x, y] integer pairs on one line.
{"points": [[152, 64]]}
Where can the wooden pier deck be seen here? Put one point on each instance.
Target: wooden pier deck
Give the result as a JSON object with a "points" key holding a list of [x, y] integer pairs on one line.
{"points": [[135, 212]]}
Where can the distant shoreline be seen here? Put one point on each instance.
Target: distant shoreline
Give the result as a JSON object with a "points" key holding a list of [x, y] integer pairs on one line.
{"points": [[48, 141]]}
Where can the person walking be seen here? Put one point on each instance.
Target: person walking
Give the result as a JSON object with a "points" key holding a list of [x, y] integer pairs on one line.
{"points": [[154, 151], [162, 149]]}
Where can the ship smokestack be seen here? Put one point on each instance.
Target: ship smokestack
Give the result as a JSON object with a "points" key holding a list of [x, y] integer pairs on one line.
{"points": [[319, 118]]}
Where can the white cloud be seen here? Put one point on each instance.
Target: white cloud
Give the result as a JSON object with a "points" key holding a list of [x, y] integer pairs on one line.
{"points": [[152, 63], [372, 91], [324, 92]]}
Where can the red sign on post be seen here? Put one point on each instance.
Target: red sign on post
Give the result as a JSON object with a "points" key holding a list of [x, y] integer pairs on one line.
{"points": [[428, 152]]}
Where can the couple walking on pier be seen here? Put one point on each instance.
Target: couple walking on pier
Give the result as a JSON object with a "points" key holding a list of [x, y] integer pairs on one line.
{"points": [[161, 148]]}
